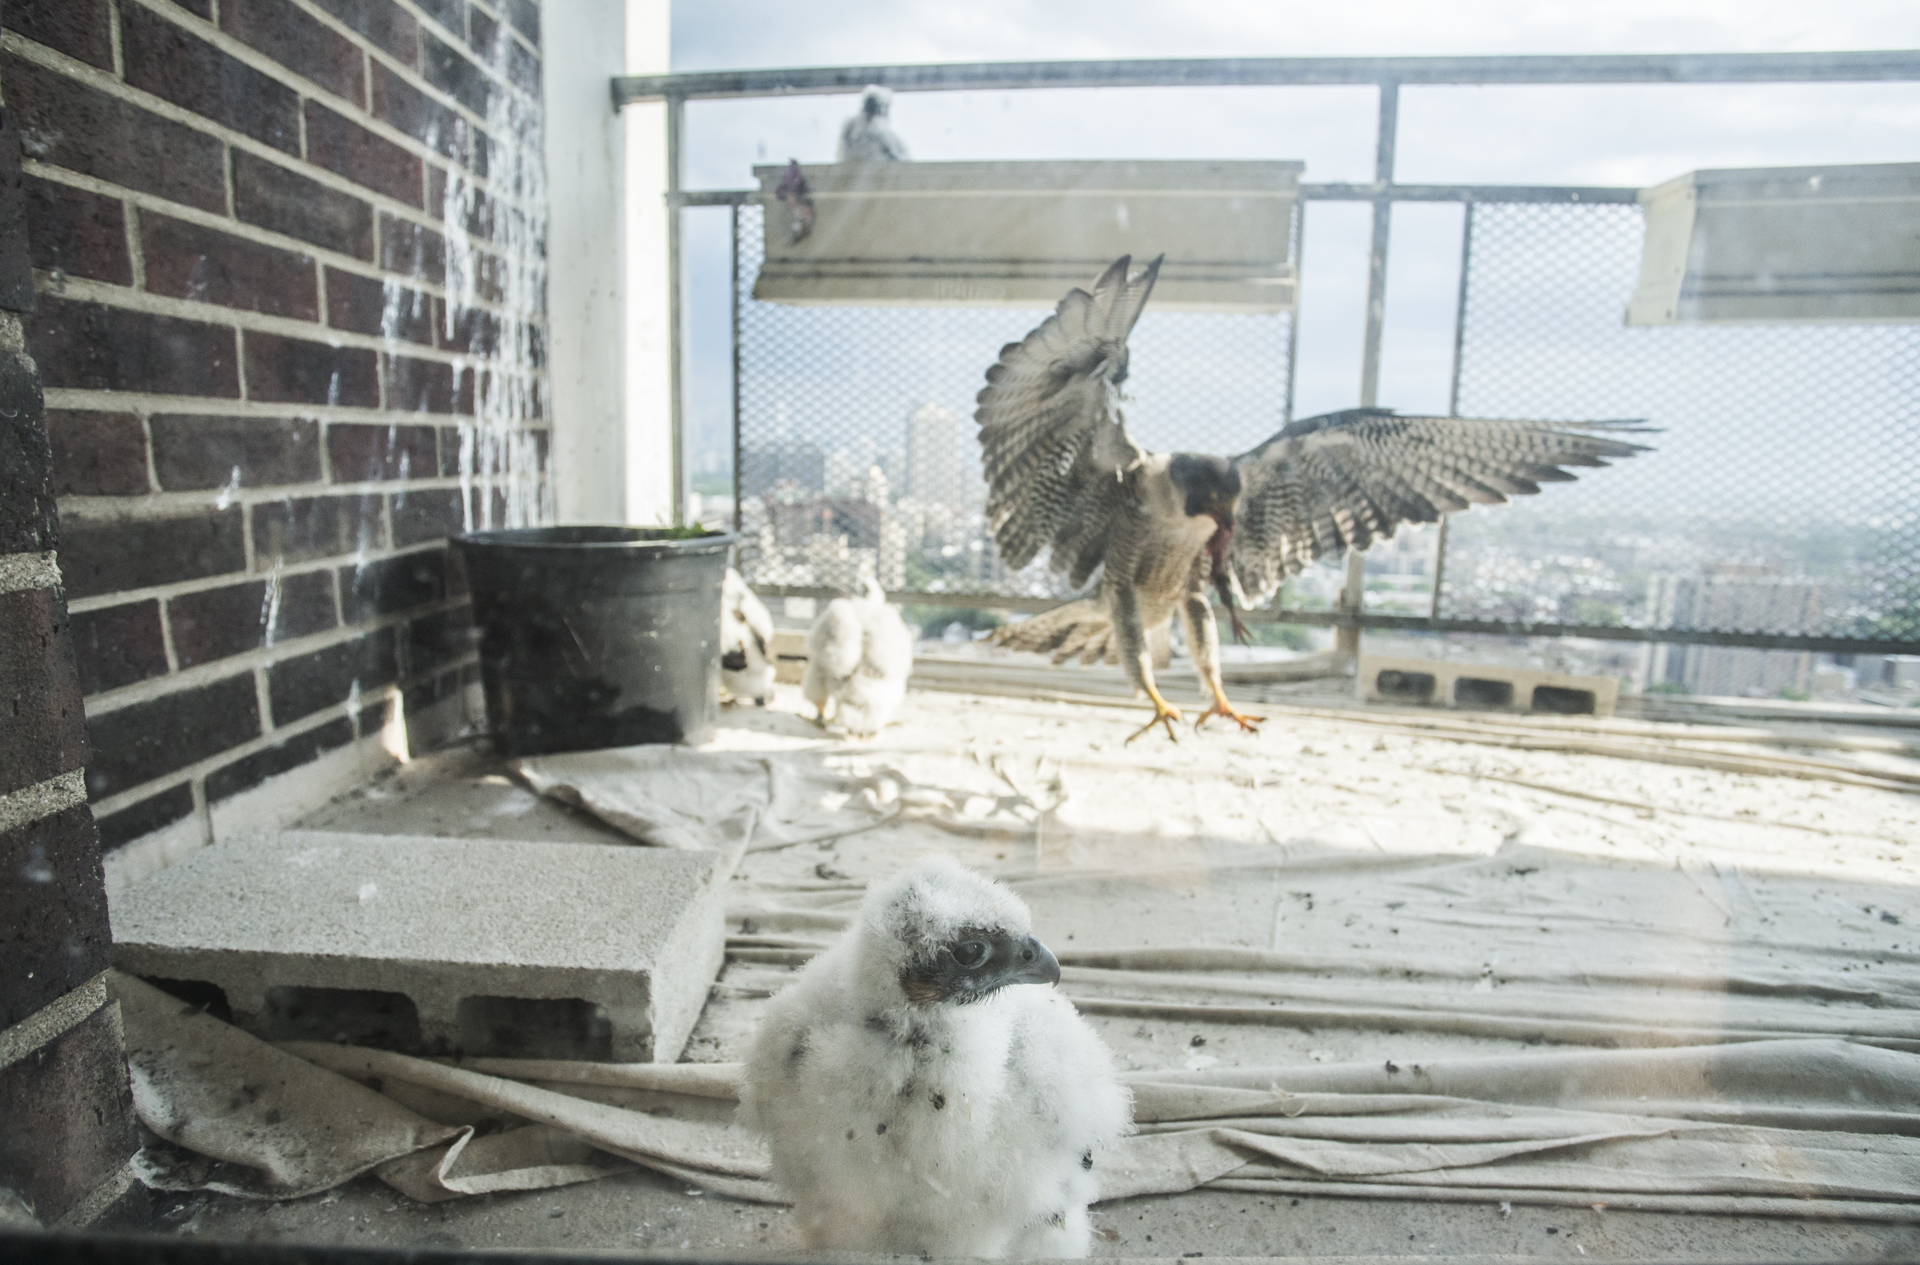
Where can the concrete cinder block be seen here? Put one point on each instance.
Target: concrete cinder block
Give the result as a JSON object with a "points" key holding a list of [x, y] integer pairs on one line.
{"points": [[1440, 683], [439, 945], [789, 655]]}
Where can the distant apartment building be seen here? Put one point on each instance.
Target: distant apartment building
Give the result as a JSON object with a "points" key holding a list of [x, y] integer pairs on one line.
{"points": [[936, 473], [801, 465], [849, 468], [1733, 599], [819, 517]]}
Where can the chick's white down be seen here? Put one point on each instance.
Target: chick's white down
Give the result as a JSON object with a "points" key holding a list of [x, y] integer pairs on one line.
{"points": [[746, 641], [958, 1124], [859, 654]]}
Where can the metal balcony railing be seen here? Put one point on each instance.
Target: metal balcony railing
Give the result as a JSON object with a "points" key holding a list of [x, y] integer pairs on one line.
{"points": [[1819, 422]]}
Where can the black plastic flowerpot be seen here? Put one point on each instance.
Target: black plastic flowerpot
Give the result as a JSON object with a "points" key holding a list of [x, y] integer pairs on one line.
{"points": [[596, 636]]}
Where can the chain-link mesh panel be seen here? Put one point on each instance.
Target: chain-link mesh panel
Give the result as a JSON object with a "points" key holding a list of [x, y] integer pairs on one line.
{"points": [[857, 444], [1783, 495]]}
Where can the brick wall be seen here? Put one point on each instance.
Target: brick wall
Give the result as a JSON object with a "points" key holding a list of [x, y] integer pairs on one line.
{"points": [[289, 260], [66, 1114]]}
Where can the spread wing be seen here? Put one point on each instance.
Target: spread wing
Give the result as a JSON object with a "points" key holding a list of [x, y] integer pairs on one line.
{"points": [[1342, 480], [1052, 438]]}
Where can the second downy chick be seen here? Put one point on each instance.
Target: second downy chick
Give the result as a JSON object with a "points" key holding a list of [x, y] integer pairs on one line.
{"points": [[746, 642], [859, 654]]}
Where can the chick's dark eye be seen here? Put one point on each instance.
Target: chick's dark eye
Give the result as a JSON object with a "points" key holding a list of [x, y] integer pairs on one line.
{"points": [[970, 953]]}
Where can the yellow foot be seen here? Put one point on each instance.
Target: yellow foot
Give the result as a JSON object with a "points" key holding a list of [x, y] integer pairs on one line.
{"points": [[1164, 713], [1251, 724]]}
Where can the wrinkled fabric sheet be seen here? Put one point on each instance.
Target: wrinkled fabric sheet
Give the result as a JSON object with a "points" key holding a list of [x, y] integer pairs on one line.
{"points": [[1526, 944], [739, 802], [1764, 1023], [1704, 1125]]}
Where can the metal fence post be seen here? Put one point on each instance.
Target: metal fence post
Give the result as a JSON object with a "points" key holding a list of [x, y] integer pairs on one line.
{"points": [[676, 322], [1293, 320], [1500, 240], [1453, 391], [1353, 591], [733, 284]]}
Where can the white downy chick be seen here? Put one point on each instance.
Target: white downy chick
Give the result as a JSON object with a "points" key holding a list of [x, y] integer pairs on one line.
{"points": [[859, 654], [746, 642], [919, 1095]]}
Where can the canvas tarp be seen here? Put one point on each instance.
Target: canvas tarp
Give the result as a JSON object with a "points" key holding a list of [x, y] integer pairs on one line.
{"points": [[1655, 1004], [1700, 1127]]}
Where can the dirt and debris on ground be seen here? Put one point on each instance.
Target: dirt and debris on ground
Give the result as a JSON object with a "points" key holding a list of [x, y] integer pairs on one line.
{"points": [[1788, 826]]}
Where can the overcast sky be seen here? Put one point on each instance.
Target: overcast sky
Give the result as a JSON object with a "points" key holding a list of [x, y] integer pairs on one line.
{"points": [[1606, 135], [715, 34]]}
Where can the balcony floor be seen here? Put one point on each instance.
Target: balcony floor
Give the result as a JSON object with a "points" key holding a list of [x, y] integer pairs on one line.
{"points": [[1327, 790]]}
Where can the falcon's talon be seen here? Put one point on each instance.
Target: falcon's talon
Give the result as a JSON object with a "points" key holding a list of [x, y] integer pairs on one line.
{"points": [[1248, 724], [1163, 714]]}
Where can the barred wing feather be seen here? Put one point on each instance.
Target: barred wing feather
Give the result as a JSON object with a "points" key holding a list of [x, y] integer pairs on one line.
{"points": [[1343, 480], [1052, 439]]}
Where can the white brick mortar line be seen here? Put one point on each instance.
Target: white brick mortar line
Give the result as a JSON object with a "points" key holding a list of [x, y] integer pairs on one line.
{"points": [[43, 799], [499, 14], [168, 504], [53, 1020], [263, 697], [111, 701], [249, 554], [415, 77], [194, 773], [146, 442], [76, 398], [202, 815], [83, 291], [116, 40], [183, 588], [22, 571], [240, 228], [307, 88], [95, 78]]}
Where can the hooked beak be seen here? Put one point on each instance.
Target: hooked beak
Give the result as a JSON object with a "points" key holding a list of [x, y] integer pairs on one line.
{"points": [[1033, 963]]}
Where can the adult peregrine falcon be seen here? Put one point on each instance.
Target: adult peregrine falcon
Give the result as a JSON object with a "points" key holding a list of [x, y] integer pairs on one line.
{"points": [[1161, 528]]}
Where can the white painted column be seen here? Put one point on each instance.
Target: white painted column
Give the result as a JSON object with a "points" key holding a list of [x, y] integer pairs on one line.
{"points": [[586, 43], [649, 437]]}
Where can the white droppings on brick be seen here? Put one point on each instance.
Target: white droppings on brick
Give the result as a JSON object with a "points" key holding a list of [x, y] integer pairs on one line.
{"points": [[498, 452], [401, 305], [270, 605]]}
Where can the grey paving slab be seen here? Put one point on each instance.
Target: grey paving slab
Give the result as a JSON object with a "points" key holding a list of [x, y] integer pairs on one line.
{"points": [[487, 938]]}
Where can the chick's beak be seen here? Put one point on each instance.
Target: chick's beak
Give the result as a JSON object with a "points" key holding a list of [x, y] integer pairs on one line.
{"points": [[1032, 963]]}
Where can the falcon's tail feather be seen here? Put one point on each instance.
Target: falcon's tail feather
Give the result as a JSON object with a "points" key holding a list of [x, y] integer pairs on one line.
{"points": [[1080, 628]]}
